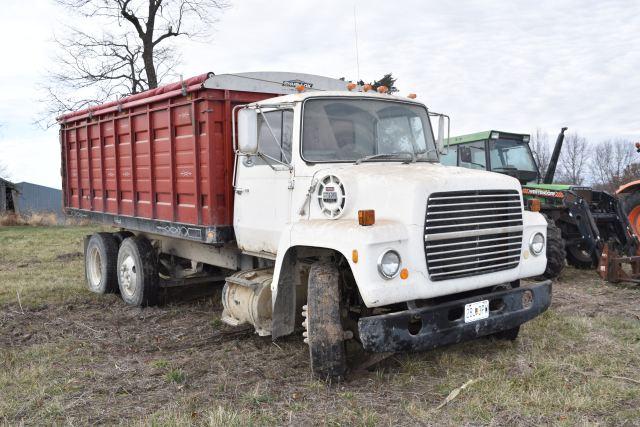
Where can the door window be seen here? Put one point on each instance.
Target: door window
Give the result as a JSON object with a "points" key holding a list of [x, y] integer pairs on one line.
{"points": [[473, 155], [270, 144]]}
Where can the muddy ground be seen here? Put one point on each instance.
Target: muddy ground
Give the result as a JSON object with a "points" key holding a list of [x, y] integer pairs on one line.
{"points": [[70, 357]]}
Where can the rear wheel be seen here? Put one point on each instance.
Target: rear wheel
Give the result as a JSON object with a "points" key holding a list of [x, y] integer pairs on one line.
{"points": [[121, 235], [138, 272], [555, 251], [325, 334], [100, 263]]}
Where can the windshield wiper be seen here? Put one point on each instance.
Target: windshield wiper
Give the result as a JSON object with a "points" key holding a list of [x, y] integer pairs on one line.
{"points": [[413, 159]]}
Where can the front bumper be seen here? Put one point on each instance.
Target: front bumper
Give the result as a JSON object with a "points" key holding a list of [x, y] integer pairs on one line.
{"points": [[429, 327]]}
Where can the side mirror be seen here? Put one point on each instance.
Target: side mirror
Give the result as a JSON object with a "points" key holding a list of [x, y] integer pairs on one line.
{"points": [[440, 140], [247, 131]]}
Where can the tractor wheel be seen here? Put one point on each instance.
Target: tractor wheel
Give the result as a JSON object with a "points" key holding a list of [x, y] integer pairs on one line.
{"points": [[323, 323], [631, 207], [580, 257], [555, 251]]}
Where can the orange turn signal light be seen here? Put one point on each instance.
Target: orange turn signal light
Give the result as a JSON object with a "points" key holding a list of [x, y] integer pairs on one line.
{"points": [[412, 96], [535, 205], [354, 256], [367, 217], [383, 89], [404, 274], [351, 86], [300, 88]]}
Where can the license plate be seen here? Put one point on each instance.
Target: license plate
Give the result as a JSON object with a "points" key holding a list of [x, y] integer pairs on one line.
{"points": [[476, 311]]}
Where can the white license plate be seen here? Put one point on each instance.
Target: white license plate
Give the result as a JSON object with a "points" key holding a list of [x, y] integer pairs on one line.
{"points": [[476, 311]]}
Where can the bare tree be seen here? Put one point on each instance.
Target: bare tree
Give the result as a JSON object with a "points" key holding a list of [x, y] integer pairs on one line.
{"points": [[574, 160], [125, 48], [539, 145], [610, 163]]}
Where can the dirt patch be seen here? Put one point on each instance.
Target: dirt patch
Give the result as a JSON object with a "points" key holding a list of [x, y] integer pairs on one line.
{"points": [[69, 256], [583, 293]]}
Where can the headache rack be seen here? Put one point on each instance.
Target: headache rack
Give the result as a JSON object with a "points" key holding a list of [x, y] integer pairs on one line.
{"points": [[469, 233]]}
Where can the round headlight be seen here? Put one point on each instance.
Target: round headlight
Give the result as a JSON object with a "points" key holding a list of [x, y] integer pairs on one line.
{"points": [[389, 264], [536, 244]]}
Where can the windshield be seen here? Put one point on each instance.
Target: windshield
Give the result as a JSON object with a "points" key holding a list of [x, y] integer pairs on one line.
{"points": [[508, 154], [347, 130]]}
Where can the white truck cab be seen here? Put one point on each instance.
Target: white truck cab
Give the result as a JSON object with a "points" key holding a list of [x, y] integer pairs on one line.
{"points": [[350, 182]]}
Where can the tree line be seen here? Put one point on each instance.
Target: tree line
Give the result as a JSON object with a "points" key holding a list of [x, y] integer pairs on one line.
{"points": [[604, 165]]}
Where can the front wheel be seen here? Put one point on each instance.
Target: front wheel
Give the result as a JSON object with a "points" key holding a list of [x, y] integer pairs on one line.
{"points": [[138, 272], [556, 254], [325, 334]]}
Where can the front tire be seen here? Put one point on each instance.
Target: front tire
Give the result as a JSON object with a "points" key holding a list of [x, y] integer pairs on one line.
{"points": [[100, 263], [325, 334], [138, 272], [580, 258], [556, 253]]}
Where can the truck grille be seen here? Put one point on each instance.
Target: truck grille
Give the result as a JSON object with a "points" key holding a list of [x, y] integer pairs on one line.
{"points": [[468, 233]]}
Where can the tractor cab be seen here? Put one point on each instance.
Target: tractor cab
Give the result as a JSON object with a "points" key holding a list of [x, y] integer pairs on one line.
{"points": [[502, 152]]}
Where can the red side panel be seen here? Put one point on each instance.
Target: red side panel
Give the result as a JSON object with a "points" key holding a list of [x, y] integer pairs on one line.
{"points": [[169, 159]]}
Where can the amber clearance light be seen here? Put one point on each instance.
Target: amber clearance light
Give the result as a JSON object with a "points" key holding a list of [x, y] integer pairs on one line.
{"points": [[367, 217]]}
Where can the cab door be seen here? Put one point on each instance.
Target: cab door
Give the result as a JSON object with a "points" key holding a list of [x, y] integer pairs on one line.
{"points": [[263, 185]]}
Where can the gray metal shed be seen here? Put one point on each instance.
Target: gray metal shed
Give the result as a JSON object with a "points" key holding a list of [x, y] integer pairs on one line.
{"points": [[38, 198]]}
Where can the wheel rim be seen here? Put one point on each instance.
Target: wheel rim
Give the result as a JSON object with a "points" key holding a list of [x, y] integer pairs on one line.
{"points": [[128, 277], [95, 268], [634, 219]]}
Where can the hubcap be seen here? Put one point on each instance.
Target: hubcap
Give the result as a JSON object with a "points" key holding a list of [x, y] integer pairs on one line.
{"points": [[128, 276], [95, 268]]}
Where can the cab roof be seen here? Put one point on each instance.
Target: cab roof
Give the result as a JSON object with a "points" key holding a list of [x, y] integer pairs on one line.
{"points": [[299, 97], [481, 136]]}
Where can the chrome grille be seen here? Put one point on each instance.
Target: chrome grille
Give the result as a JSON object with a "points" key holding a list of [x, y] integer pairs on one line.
{"points": [[468, 233]]}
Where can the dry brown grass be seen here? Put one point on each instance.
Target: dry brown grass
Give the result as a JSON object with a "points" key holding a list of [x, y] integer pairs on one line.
{"points": [[11, 220], [71, 357], [36, 219]]}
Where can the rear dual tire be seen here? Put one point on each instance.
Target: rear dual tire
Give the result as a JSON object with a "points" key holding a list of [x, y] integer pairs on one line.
{"points": [[100, 263], [137, 267], [122, 262]]}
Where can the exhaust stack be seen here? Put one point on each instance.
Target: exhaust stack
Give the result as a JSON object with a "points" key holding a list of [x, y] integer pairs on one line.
{"points": [[551, 170]]}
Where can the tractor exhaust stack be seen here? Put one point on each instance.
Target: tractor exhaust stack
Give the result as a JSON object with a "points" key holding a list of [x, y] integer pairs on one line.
{"points": [[551, 170]]}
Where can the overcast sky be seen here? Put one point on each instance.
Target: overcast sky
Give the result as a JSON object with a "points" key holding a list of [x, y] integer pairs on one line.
{"points": [[509, 65]]}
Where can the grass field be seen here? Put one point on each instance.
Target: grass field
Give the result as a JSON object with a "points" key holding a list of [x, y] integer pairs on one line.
{"points": [[71, 357]]}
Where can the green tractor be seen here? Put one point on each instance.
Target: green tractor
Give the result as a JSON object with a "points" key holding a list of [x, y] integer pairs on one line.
{"points": [[581, 220]]}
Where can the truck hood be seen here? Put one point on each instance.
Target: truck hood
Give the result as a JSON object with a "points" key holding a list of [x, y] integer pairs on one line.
{"points": [[400, 191]]}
